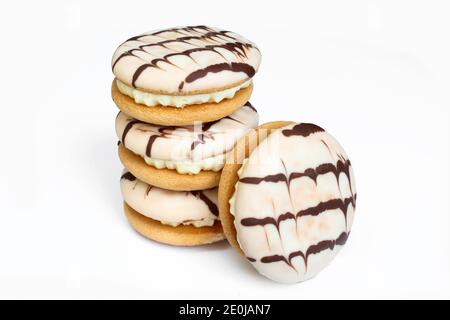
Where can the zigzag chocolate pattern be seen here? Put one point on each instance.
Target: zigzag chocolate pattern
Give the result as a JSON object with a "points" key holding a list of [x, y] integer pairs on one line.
{"points": [[312, 211], [313, 249], [212, 41], [312, 173]]}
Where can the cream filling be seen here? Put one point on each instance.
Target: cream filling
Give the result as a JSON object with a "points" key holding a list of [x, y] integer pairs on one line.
{"points": [[215, 163], [151, 99], [207, 222]]}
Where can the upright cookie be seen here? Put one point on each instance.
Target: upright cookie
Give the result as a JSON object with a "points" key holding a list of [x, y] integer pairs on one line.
{"points": [[180, 75], [293, 203]]}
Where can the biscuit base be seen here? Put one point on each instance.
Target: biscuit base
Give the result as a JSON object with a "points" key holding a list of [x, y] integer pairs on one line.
{"points": [[183, 235], [167, 178], [171, 116], [230, 177]]}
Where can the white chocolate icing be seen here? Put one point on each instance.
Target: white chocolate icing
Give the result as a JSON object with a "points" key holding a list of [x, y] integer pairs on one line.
{"points": [[185, 59], [294, 203], [187, 149], [197, 208], [189, 167], [152, 99]]}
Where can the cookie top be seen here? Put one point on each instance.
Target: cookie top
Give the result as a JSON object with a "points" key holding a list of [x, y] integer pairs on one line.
{"points": [[197, 208], [294, 202], [186, 60], [188, 143]]}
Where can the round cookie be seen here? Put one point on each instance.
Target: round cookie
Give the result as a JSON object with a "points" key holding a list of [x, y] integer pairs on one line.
{"points": [[185, 61], [291, 204], [178, 236], [171, 116], [197, 208], [165, 178], [187, 149]]}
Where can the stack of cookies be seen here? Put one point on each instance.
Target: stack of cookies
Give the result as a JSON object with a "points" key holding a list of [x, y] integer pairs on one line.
{"points": [[184, 100]]}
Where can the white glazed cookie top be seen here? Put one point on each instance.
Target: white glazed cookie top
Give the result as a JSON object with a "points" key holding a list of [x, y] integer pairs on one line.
{"points": [[188, 143], [294, 203], [197, 208], [185, 59]]}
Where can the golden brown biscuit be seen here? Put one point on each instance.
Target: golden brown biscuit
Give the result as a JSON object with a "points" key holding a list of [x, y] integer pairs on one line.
{"points": [[171, 116], [178, 236], [166, 178], [229, 175]]}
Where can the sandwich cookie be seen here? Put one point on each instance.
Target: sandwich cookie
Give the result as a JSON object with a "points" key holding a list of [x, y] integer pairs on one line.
{"points": [[181, 75], [181, 158], [287, 199], [171, 217]]}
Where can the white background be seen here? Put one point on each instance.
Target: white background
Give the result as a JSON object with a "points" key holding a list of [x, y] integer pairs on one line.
{"points": [[373, 73]]}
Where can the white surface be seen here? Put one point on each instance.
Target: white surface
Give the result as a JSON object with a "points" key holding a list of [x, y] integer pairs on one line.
{"points": [[373, 73]]}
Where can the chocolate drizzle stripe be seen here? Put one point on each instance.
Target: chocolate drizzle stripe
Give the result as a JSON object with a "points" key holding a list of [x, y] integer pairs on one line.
{"points": [[128, 128], [163, 132], [312, 173], [207, 36], [248, 104], [138, 72], [149, 188], [269, 178], [128, 176], [313, 249], [302, 129], [275, 258], [211, 205], [341, 204], [216, 68], [151, 141], [123, 55], [237, 48]]}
